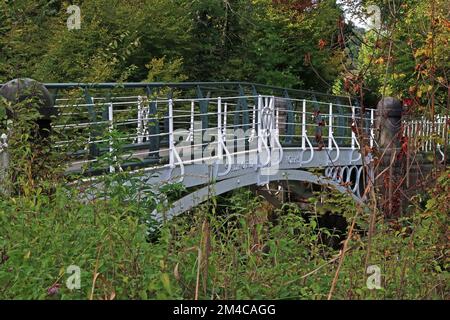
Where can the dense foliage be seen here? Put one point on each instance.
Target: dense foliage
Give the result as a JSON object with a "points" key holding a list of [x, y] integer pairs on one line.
{"points": [[246, 250], [205, 40], [407, 56], [241, 254]]}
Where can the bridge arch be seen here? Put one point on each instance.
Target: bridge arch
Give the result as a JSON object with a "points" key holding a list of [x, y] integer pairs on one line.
{"points": [[199, 196]]}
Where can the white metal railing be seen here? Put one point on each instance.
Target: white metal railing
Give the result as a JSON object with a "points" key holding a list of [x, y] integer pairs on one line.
{"points": [[179, 139], [424, 134]]}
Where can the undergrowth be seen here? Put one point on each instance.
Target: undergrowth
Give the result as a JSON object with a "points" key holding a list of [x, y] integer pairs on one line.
{"points": [[206, 255]]}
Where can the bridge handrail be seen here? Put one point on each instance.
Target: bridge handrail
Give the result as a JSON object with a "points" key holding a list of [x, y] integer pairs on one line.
{"points": [[181, 85], [134, 119]]}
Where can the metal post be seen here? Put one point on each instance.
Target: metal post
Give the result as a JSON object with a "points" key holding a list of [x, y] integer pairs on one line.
{"points": [[140, 120], [111, 128], [353, 126], [171, 137], [340, 121], [153, 127], [203, 110], [219, 130], [290, 129], [304, 125], [372, 125], [244, 108], [94, 133], [330, 128], [259, 131], [225, 122]]}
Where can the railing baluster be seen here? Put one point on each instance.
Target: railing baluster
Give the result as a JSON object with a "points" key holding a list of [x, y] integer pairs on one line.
{"points": [[260, 128], [139, 127], [372, 127], [171, 137], [330, 127], [225, 107], [304, 125], [353, 126], [219, 131], [111, 142]]}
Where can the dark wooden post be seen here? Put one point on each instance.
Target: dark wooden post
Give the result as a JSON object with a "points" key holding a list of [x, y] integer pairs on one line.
{"points": [[388, 124]]}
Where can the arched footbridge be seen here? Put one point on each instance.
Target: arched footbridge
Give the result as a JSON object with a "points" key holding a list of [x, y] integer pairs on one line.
{"points": [[215, 137]]}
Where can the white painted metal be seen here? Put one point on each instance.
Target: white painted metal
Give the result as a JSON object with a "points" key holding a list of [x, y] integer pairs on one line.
{"points": [[111, 128], [131, 116], [425, 133]]}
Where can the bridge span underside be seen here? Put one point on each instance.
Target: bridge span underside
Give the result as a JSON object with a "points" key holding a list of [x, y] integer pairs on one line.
{"points": [[220, 187]]}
